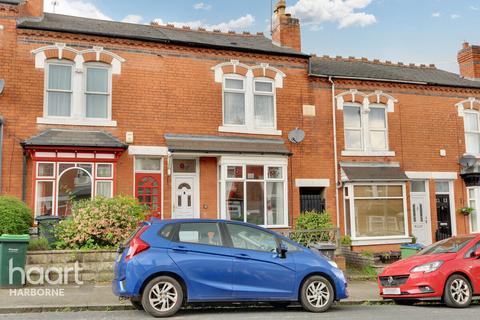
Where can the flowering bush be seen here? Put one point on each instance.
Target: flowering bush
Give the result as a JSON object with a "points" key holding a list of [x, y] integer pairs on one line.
{"points": [[99, 223], [15, 216]]}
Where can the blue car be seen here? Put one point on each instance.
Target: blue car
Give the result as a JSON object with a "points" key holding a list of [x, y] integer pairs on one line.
{"points": [[168, 263]]}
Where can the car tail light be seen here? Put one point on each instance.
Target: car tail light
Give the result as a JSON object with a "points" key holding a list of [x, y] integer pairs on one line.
{"points": [[137, 245]]}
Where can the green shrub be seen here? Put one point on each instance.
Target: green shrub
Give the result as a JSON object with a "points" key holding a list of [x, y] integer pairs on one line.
{"points": [[313, 220], [15, 216], [38, 244], [99, 223], [346, 241]]}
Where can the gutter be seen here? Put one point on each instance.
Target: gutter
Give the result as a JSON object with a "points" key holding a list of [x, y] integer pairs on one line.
{"points": [[335, 155]]}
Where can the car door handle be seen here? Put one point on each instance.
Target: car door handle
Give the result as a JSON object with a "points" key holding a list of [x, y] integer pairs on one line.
{"points": [[242, 256], [180, 249]]}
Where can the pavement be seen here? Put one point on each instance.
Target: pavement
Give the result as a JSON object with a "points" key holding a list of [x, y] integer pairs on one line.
{"points": [[99, 297]]}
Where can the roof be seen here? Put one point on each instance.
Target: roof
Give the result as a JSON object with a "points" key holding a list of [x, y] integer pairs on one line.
{"points": [[14, 2], [230, 41], [373, 173], [74, 138], [225, 145], [368, 70]]}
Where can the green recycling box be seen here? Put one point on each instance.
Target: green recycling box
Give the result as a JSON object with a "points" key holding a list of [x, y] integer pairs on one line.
{"points": [[13, 255]]}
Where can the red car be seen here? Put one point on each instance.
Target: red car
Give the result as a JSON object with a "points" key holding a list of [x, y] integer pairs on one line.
{"points": [[447, 271]]}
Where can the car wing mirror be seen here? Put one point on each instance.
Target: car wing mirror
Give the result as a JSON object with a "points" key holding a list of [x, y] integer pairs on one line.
{"points": [[282, 251], [476, 254]]}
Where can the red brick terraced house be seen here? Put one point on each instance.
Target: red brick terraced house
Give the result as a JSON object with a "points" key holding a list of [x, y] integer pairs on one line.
{"points": [[205, 124]]}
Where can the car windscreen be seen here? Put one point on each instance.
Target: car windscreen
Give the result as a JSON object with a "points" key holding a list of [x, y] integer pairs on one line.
{"points": [[451, 245]]}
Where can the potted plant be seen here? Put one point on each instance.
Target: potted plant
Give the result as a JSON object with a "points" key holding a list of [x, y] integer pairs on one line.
{"points": [[467, 210]]}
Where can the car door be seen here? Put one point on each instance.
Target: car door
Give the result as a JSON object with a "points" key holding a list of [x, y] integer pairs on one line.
{"points": [[472, 264], [198, 250], [258, 271]]}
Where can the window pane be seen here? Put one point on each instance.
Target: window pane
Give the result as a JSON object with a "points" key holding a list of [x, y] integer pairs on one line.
{"points": [[202, 233], [97, 80], [474, 221], [379, 217], [275, 172], [148, 164], [351, 116], [104, 188], [97, 106], [472, 143], [255, 203], [388, 191], [275, 203], [235, 172], [44, 203], [86, 166], [64, 166], [235, 200], [363, 191], [59, 77], [264, 111], [234, 112], [75, 184], [45, 170], [234, 84], [378, 140], [376, 118], [59, 104], [104, 170], [255, 172], [471, 121], [418, 186], [263, 86], [244, 237], [185, 166], [353, 139], [442, 186]]}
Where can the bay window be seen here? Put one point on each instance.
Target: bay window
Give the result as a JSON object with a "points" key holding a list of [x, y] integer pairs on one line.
{"points": [[472, 131], [376, 211], [59, 89], [254, 193]]}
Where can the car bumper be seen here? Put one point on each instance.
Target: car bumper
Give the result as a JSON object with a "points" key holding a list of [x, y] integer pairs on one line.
{"points": [[419, 286], [340, 285]]}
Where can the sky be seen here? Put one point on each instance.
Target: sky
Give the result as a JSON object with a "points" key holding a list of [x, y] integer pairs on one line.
{"points": [[408, 31]]}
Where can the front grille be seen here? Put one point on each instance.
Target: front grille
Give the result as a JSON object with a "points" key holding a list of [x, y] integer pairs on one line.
{"points": [[393, 281]]}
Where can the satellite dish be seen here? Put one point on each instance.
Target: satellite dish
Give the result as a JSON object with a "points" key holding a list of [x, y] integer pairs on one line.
{"points": [[467, 161], [2, 85], [296, 136]]}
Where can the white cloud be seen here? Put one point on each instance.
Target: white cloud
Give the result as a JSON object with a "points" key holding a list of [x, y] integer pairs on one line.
{"points": [[234, 24], [436, 14], [455, 16], [75, 8], [202, 6], [343, 12], [474, 8], [133, 18]]}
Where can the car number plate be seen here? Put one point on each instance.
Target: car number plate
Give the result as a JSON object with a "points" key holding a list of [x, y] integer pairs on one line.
{"points": [[391, 291]]}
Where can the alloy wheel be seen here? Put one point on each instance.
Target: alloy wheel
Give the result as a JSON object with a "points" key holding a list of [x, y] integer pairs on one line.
{"points": [[163, 296], [460, 291], [318, 294]]}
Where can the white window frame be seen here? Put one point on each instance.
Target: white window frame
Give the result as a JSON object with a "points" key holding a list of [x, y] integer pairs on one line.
{"points": [[104, 178], [228, 162], [365, 130], [47, 90], [250, 92], [476, 206], [477, 114], [102, 66], [78, 109], [358, 241]]}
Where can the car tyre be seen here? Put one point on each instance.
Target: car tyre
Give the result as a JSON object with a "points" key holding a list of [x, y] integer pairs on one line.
{"points": [[458, 292], [317, 294], [162, 297], [137, 304], [404, 302]]}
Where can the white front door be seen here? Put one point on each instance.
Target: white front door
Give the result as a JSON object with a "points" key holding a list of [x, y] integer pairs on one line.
{"points": [[421, 218], [184, 197]]}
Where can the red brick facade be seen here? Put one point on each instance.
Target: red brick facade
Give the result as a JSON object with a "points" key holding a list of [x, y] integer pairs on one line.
{"points": [[171, 89]]}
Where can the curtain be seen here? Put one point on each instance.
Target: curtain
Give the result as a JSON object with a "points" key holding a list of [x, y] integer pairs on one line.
{"points": [[235, 199], [104, 188], [59, 104], [234, 112], [97, 106], [44, 198], [60, 77], [97, 80], [275, 203], [264, 111]]}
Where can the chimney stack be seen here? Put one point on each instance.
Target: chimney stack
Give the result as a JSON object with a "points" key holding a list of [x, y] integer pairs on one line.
{"points": [[31, 8], [286, 30], [469, 61]]}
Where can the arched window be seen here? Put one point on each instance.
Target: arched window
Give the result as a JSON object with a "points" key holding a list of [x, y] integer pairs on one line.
{"points": [[74, 184]]}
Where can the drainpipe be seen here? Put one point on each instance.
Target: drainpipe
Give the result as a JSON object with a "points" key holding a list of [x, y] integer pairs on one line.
{"points": [[335, 157], [24, 177], [1, 151]]}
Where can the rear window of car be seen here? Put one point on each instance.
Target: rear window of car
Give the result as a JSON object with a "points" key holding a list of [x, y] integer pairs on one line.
{"points": [[167, 231], [451, 245]]}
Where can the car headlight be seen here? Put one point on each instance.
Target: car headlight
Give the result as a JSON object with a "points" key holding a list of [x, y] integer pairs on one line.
{"points": [[333, 263], [428, 267]]}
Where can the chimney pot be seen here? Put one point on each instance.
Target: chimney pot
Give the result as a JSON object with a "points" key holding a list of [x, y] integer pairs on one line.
{"points": [[466, 45]]}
